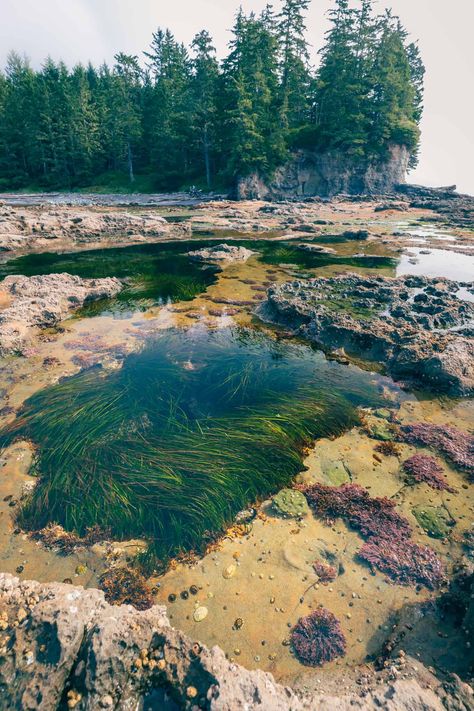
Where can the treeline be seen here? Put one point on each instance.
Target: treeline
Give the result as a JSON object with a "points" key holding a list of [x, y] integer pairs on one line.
{"points": [[182, 117]]}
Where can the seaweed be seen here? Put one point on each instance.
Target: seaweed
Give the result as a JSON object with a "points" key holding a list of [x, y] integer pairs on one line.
{"points": [[456, 445], [404, 561], [125, 586], [388, 533], [325, 572], [191, 430], [424, 469], [318, 638]]}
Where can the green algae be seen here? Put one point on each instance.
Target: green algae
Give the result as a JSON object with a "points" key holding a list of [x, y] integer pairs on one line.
{"points": [[434, 520], [290, 503]]}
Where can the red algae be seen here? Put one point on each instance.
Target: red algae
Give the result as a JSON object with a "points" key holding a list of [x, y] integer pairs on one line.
{"points": [[389, 547], [456, 445], [318, 638], [405, 562], [426, 470], [326, 573], [372, 517]]}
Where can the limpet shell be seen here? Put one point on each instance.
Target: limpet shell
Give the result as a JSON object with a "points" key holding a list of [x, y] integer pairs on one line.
{"points": [[200, 614], [229, 572]]}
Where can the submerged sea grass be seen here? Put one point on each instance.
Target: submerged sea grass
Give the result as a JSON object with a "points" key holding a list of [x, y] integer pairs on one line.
{"points": [[185, 435]]}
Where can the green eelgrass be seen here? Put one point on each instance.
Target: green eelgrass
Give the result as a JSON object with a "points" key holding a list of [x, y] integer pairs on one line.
{"points": [[190, 430]]}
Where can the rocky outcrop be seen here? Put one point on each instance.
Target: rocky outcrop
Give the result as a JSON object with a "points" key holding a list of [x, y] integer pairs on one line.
{"points": [[309, 173], [42, 301], [221, 253], [416, 326], [453, 208], [22, 229], [65, 647]]}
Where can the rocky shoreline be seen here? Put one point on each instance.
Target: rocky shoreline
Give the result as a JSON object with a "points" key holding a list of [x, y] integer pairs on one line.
{"points": [[416, 326], [32, 303], [63, 646]]}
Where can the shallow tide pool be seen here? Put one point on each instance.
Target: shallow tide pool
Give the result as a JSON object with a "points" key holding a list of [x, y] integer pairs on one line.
{"points": [[194, 427]]}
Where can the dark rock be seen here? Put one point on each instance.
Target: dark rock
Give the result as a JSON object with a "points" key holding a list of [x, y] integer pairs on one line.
{"points": [[378, 318]]}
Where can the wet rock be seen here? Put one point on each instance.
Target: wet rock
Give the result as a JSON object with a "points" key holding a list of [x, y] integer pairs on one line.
{"points": [[29, 227], [43, 301], [290, 503], [434, 520], [221, 253], [378, 428], [200, 614], [378, 318], [316, 248], [334, 473]]}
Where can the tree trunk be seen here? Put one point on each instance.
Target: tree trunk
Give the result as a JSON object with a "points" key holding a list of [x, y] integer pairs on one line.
{"points": [[130, 163], [206, 157]]}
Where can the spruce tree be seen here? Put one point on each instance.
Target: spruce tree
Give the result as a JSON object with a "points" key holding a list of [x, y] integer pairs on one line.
{"points": [[294, 63], [204, 84]]}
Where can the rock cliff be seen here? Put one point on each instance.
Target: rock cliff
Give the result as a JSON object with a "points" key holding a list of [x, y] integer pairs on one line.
{"points": [[309, 173]]}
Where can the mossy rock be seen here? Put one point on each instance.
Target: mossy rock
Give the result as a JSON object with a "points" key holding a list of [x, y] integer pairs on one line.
{"points": [[378, 428], [383, 412], [334, 474], [434, 520], [290, 503]]}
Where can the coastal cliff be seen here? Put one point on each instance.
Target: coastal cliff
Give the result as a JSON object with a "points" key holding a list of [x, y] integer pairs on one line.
{"points": [[310, 173]]}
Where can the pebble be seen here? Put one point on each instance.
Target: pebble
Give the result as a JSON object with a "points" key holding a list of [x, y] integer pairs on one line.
{"points": [[191, 692], [106, 701], [200, 613]]}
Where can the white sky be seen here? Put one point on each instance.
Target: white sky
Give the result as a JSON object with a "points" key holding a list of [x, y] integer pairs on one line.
{"points": [[79, 30]]}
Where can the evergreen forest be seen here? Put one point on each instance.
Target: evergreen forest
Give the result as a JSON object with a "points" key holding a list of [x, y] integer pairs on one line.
{"points": [[178, 116]]}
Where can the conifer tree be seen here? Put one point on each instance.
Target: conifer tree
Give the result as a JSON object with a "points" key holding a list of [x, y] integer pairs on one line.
{"points": [[204, 85], [294, 63], [185, 117]]}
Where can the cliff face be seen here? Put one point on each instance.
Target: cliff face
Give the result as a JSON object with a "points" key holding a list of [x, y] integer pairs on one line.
{"points": [[309, 173]]}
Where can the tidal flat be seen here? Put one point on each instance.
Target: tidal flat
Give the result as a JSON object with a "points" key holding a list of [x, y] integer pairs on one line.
{"points": [[167, 419]]}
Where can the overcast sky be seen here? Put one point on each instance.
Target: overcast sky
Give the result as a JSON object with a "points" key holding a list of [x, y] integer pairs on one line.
{"points": [[82, 30]]}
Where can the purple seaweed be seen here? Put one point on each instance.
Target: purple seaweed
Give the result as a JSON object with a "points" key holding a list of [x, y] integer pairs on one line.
{"points": [[404, 562], [318, 638], [456, 445], [325, 572], [388, 547], [372, 517], [426, 470]]}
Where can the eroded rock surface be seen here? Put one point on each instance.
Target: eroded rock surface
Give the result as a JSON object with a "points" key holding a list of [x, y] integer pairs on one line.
{"points": [[63, 646], [221, 253], [417, 326], [42, 301], [27, 228]]}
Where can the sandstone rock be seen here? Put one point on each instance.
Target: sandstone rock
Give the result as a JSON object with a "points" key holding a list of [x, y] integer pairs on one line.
{"points": [[42, 301], [22, 229]]}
